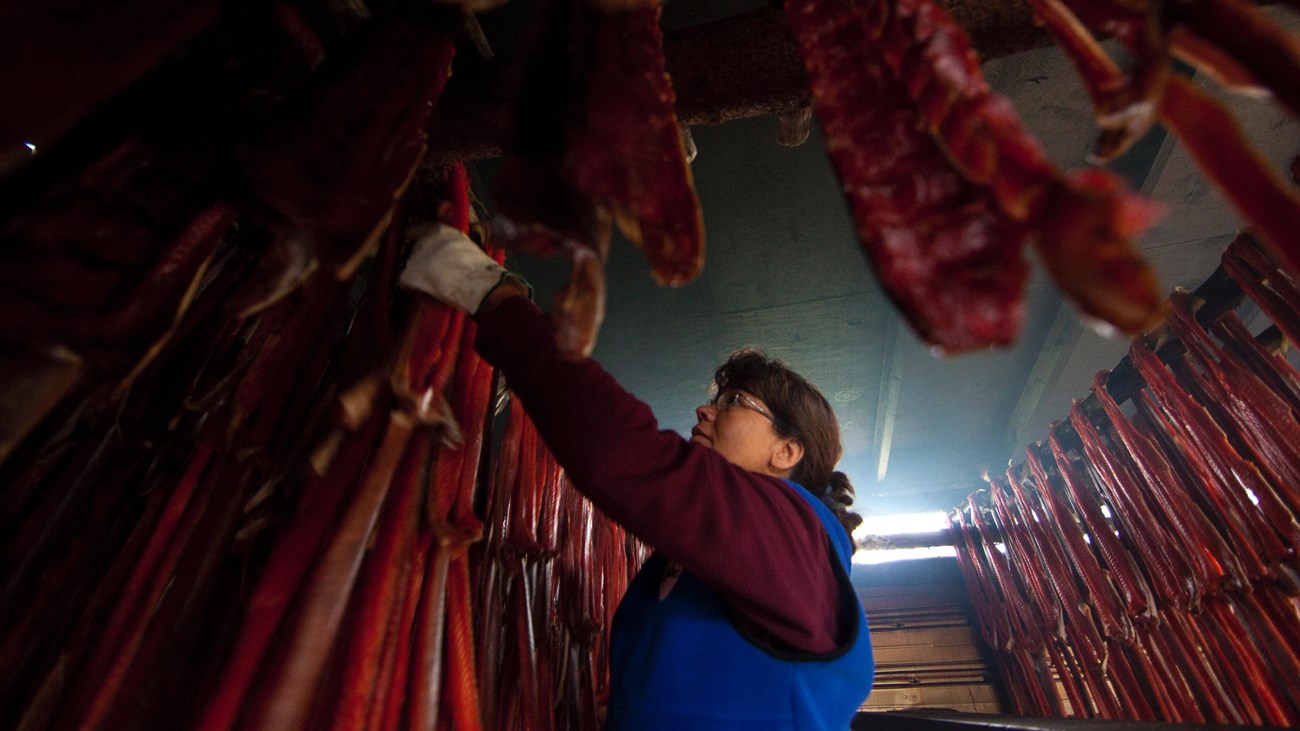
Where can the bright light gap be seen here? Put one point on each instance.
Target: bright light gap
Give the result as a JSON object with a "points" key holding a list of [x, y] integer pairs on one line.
{"points": [[868, 558], [902, 524], [899, 524]]}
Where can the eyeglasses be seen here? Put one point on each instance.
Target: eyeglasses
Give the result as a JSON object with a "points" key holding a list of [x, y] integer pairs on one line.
{"points": [[728, 399]]}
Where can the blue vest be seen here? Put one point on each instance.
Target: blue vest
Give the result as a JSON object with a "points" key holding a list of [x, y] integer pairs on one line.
{"points": [[681, 663]]}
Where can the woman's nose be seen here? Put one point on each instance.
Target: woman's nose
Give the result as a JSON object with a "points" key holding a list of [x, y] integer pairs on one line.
{"points": [[706, 412]]}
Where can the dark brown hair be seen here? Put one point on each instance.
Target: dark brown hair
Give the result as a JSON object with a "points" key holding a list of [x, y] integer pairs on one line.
{"points": [[802, 413]]}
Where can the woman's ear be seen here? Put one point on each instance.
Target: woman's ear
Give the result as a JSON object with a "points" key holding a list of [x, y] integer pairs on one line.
{"points": [[788, 453]]}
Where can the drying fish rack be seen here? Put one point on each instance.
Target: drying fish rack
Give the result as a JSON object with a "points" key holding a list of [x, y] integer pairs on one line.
{"points": [[1145, 566]]}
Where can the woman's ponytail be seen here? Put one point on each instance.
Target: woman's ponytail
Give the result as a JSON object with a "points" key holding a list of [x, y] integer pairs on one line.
{"points": [[838, 496]]}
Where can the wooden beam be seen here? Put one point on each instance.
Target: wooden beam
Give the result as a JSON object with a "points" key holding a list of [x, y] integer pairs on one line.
{"points": [[891, 380]]}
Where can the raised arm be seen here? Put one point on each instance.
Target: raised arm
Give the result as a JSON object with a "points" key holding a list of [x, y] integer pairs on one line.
{"points": [[749, 536]]}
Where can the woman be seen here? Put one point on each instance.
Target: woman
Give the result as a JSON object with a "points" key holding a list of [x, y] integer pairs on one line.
{"points": [[744, 616]]}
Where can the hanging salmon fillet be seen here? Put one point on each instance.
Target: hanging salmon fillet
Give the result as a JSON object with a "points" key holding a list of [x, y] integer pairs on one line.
{"points": [[1204, 548], [1218, 465], [1272, 288], [946, 185], [1263, 420], [1280, 375], [1105, 601], [1136, 592], [594, 137], [336, 163]]}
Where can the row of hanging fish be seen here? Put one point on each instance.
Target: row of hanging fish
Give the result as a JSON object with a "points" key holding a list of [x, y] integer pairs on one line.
{"points": [[945, 184], [287, 523], [1148, 559]]}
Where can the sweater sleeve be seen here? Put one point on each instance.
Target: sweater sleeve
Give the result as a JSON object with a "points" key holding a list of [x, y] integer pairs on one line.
{"points": [[748, 536]]}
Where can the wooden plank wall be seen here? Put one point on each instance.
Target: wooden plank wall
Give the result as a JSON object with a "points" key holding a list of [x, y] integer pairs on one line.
{"points": [[927, 654]]}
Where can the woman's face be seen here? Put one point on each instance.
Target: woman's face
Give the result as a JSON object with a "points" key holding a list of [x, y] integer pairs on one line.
{"points": [[738, 425]]}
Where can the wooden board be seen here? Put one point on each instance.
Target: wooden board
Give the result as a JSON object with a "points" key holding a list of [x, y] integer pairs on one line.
{"points": [[927, 654]]}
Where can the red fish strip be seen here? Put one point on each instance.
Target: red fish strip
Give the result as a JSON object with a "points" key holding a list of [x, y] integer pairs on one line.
{"points": [[1042, 688], [423, 698], [148, 311], [1269, 285], [1207, 449], [1134, 590], [1081, 222], [1089, 651], [1284, 610], [1224, 703], [336, 162], [286, 699], [1228, 509], [1262, 419], [1205, 689], [539, 210], [1222, 150], [527, 642], [626, 153], [387, 665], [526, 495], [992, 620], [1080, 626], [460, 680], [1173, 677], [151, 568], [1242, 476], [1066, 676], [937, 242], [426, 361], [1205, 549], [998, 608], [489, 598], [292, 330], [554, 489], [279, 581], [1275, 370], [1105, 600], [178, 620], [507, 471], [1254, 475], [1204, 126], [1027, 632], [1249, 662], [1151, 677], [474, 391], [1243, 33], [26, 636], [1130, 691], [1044, 606], [428, 356], [1121, 103], [1206, 631], [378, 590], [396, 691], [105, 670], [1163, 564], [1274, 643]]}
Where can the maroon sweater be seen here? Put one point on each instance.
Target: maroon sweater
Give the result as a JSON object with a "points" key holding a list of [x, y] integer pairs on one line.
{"points": [[747, 535]]}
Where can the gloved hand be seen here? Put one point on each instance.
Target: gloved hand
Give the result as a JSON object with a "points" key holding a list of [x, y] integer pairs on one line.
{"points": [[448, 266]]}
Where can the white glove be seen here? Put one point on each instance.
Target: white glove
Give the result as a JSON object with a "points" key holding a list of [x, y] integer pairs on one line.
{"points": [[448, 266]]}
